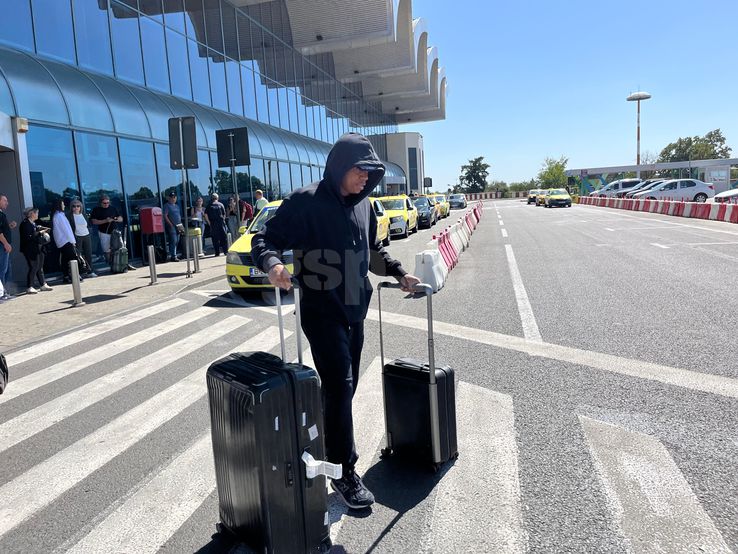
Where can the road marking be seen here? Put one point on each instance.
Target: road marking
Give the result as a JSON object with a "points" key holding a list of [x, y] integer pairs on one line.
{"points": [[609, 229], [368, 413], [652, 501], [481, 489], [501, 222], [710, 229], [530, 327], [44, 416], [149, 517], [504, 233], [93, 330], [231, 297], [684, 378], [96, 355], [499, 216], [656, 244], [44, 483]]}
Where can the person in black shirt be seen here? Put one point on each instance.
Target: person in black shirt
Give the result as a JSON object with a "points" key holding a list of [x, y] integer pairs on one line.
{"points": [[105, 216], [6, 247], [33, 250], [215, 215]]}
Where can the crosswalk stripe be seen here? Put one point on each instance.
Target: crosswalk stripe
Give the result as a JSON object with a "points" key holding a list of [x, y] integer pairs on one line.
{"points": [[94, 330], [648, 492], [44, 416], [97, 355], [368, 412], [481, 489], [42, 484], [148, 518], [694, 380]]}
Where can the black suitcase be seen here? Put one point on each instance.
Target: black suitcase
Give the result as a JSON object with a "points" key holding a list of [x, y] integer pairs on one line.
{"points": [[419, 400], [267, 432]]}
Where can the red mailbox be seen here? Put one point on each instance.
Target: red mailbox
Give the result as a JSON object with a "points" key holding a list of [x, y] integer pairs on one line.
{"points": [[152, 221]]}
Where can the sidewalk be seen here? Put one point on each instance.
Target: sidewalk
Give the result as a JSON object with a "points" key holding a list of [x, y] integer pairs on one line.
{"points": [[30, 317]]}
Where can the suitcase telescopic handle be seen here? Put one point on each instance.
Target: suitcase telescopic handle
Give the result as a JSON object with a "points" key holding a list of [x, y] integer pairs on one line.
{"points": [[298, 330], [427, 290]]}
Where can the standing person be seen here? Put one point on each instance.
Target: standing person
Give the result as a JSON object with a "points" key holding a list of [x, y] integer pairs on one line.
{"points": [[81, 229], [173, 223], [197, 214], [233, 217], [215, 215], [332, 230], [6, 246], [32, 248], [105, 216], [63, 238], [260, 201], [247, 212]]}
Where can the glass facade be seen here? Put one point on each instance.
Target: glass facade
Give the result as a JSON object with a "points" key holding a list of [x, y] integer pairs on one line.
{"points": [[98, 80]]}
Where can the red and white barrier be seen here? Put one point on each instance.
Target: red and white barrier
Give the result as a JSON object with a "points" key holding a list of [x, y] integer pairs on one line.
{"points": [[726, 212], [430, 268]]}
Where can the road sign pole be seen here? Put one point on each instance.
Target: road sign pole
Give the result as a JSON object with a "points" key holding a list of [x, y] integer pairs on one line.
{"points": [[185, 186]]}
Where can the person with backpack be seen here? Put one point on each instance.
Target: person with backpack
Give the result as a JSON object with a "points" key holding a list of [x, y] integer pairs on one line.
{"points": [[247, 212]]}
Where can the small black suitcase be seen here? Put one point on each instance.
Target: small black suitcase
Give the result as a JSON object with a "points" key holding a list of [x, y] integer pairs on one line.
{"points": [[419, 400], [267, 432]]}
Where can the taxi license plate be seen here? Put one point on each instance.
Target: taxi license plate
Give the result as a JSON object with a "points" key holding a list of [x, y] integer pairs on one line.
{"points": [[254, 272]]}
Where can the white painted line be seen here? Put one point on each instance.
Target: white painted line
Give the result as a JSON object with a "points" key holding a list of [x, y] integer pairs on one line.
{"points": [[44, 416], [650, 498], [501, 222], [42, 484], [657, 245], [504, 233], [232, 298], [530, 327], [684, 378], [481, 489], [368, 415], [149, 517], [499, 216], [709, 229], [93, 330], [609, 229], [95, 356]]}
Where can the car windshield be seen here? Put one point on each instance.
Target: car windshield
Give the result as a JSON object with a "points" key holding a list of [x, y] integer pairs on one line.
{"points": [[264, 215], [558, 191], [393, 204], [421, 202], [456, 197], [440, 198]]}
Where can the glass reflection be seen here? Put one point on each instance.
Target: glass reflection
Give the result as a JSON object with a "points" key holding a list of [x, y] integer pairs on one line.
{"points": [[52, 22], [16, 28], [93, 36], [140, 184], [126, 43], [179, 68], [155, 55]]}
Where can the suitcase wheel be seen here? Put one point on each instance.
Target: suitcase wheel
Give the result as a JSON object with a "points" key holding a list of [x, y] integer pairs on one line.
{"points": [[436, 467], [386, 453]]}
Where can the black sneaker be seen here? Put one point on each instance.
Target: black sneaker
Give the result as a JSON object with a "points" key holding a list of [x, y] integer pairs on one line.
{"points": [[352, 491]]}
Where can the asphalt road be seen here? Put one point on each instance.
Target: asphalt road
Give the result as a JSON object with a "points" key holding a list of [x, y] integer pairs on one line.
{"points": [[597, 389]]}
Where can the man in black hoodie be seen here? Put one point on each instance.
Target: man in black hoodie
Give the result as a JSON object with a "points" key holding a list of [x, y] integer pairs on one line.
{"points": [[332, 230]]}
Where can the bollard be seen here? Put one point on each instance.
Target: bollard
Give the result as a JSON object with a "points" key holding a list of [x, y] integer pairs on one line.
{"points": [[188, 253], [152, 265], [196, 253], [229, 238], [74, 272]]}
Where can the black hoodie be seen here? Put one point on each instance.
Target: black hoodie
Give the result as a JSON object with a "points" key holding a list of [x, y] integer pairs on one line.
{"points": [[333, 238]]}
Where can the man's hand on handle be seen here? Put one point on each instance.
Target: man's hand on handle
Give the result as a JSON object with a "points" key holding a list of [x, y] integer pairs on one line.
{"points": [[408, 283], [280, 277]]}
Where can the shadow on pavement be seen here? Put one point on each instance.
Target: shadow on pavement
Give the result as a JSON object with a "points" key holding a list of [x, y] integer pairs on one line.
{"points": [[94, 299]]}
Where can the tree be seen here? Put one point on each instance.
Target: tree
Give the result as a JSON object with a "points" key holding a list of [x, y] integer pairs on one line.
{"points": [[473, 176], [710, 147], [553, 173]]}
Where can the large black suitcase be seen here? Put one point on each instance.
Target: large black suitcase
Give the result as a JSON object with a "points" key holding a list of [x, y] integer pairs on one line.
{"points": [[267, 432], [419, 400]]}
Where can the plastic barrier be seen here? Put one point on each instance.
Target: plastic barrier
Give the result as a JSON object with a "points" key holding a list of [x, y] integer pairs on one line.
{"points": [[430, 268], [455, 240], [443, 248], [451, 248], [433, 245], [464, 230]]}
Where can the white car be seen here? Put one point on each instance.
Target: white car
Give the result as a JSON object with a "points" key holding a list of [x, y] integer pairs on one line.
{"points": [[688, 190], [729, 196], [616, 188]]}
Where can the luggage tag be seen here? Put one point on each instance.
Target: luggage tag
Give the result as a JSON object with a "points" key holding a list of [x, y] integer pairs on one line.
{"points": [[314, 467]]}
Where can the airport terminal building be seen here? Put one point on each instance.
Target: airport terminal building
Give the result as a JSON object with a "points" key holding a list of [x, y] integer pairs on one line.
{"points": [[87, 88]]}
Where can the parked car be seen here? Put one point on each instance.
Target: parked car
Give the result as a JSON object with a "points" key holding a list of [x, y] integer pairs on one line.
{"points": [[241, 272], [645, 185], [457, 201], [443, 203], [612, 189], [626, 188], [383, 233], [402, 215], [533, 195], [729, 196], [688, 190], [557, 197], [427, 214], [541, 197]]}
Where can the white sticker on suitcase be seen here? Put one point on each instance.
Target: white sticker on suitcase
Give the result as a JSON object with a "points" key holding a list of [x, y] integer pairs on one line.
{"points": [[276, 423], [313, 432]]}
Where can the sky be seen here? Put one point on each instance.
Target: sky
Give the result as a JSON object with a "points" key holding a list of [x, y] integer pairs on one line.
{"points": [[531, 79]]}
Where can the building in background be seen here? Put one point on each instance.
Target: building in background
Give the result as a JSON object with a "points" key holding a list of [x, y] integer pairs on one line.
{"points": [[406, 151], [87, 88]]}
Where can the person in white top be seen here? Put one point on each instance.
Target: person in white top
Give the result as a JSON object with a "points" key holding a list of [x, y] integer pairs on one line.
{"points": [[260, 201], [63, 238], [80, 226]]}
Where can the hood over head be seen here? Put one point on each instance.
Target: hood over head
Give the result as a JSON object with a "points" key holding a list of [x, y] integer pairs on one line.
{"points": [[352, 150]]}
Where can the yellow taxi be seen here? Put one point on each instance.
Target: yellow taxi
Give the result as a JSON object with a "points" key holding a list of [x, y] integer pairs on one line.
{"points": [[444, 203], [383, 222], [541, 197], [557, 197], [242, 273], [533, 195], [403, 215]]}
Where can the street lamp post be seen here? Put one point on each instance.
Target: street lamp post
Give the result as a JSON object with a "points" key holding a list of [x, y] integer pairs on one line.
{"points": [[637, 97]]}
